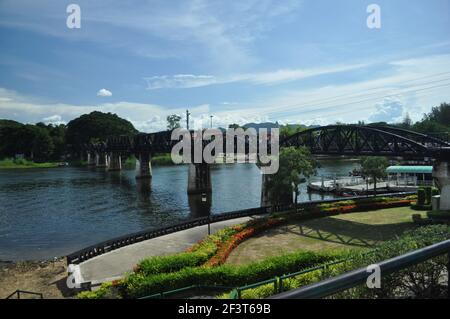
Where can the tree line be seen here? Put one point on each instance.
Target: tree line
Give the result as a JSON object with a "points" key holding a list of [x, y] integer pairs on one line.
{"points": [[48, 142]]}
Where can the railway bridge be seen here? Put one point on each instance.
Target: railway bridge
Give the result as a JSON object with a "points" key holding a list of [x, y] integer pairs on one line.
{"points": [[334, 140]]}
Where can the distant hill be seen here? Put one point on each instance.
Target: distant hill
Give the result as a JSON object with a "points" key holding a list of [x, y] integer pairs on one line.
{"points": [[257, 126]]}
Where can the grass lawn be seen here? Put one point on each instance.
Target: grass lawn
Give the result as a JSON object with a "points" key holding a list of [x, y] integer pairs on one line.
{"points": [[348, 231], [22, 163]]}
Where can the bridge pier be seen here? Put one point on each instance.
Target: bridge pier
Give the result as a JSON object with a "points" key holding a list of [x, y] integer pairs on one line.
{"points": [[200, 205], [286, 198], [114, 162], [91, 159], [441, 173], [143, 166], [265, 195], [101, 160], [199, 179]]}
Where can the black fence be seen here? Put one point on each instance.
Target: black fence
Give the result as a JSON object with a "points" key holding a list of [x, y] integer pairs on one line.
{"points": [[357, 277], [115, 243], [20, 293]]}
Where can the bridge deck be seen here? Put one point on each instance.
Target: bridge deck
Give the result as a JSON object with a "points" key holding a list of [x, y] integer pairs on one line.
{"points": [[115, 264]]}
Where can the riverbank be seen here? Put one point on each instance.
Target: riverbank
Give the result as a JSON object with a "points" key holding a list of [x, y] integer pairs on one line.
{"points": [[23, 163], [46, 277]]}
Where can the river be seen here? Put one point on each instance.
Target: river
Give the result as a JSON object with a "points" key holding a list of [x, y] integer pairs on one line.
{"points": [[52, 212]]}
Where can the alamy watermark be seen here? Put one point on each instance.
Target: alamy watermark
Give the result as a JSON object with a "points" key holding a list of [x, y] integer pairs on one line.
{"points": [[241, 146], [374, 19], [74, 18], [374, 279]]}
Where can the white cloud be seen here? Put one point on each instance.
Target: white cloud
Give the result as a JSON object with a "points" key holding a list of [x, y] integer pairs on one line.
{"points": [[390, 110], [179, 81], [280, 76], [104, 93], [54, 119]]}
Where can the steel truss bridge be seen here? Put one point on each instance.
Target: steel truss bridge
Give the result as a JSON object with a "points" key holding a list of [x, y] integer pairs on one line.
{"points": [[349, 140]]}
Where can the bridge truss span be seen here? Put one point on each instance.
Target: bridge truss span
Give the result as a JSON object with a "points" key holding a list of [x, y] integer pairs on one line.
{"points": [[358, 140]]}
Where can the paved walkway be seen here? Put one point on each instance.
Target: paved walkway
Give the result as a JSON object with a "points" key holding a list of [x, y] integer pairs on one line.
{"points": [[116, 263]]}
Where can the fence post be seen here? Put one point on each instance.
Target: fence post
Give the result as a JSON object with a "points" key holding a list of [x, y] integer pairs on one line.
{"points": [[448, 275], [275, 284]]}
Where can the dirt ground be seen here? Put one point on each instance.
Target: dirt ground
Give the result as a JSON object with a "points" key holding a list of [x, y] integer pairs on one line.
{"points": [[48, 278]]}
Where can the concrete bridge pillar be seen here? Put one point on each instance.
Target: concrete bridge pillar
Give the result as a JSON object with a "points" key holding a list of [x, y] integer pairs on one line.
{"points": [[285, 198], [114, 162], [199, 179], [101, 159], [441, 174], [265, 195], [91, 159], [143, 166]]}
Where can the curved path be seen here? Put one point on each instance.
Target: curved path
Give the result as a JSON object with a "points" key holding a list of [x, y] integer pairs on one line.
{"points": [[114, 264]]}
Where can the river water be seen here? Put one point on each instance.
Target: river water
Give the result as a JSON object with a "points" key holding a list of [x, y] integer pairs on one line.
{"points": [[52, 212]]}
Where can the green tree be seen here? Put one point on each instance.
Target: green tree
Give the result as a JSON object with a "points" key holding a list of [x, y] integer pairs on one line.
{"points": [[295, 164], [407, 122], [374, 167], [173, 121], [96, 126], [42, 146], [289, 130], [440, 114]]}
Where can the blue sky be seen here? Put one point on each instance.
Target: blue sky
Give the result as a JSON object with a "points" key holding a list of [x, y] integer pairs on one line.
{"points": [[311, 62]]}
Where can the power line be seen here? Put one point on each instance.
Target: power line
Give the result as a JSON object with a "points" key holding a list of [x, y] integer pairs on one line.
{"points": [[339, 97], [370, 107]]}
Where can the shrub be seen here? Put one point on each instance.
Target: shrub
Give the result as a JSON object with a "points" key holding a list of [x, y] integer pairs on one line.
{"points": [[420, 197], [419, 281], [439, 216], [428, 193], [107, 290]]}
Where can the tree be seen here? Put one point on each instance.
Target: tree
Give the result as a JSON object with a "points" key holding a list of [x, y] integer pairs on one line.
{"points": [[173, 121], [407, 122], [289, 130], [96, 126], [375, 167], [440, 114], [295, 164], [42, 145], [437, 121]]}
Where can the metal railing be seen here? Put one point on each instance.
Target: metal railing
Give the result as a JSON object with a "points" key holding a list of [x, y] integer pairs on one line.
{"points": [[192, 288], [118, 242], [357, 277], [24, 292]]}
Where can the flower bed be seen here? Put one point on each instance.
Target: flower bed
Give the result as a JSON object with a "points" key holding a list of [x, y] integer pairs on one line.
{"points": [[245, 232]]}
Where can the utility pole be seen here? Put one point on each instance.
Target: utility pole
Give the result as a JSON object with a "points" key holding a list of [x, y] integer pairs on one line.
{"points": [[187, 119], [211, 116]]}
